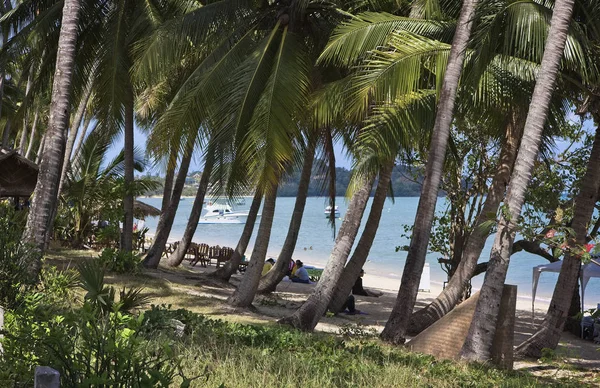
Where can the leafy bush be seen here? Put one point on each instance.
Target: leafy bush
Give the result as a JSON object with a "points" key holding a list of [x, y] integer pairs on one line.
{"points": [[314, 274], [120, 261], [99, 343], [15, 256]]}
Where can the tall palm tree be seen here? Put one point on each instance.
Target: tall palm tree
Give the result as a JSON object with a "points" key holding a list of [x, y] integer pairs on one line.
{"points": [[46, 190], [395, 328], [548, 335], [269, 282], [309, 314], [165, 223], [481, 332], [244, 294]]}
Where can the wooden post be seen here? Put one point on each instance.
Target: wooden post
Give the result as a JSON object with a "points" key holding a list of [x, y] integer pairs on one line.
{"points": [[46, 377]]}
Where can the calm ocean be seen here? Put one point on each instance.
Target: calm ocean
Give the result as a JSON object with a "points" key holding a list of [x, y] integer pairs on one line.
{"points": [[316, 241]]}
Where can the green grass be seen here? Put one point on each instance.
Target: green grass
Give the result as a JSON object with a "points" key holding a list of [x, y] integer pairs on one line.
{"points": [[237, 352]]}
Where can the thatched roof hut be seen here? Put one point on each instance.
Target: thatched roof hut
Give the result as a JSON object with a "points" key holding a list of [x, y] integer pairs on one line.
{"points": [[141, 210], [18, 175]]}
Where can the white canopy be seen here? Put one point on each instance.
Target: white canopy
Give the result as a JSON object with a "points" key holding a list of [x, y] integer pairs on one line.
{"points": [[588, 271]]}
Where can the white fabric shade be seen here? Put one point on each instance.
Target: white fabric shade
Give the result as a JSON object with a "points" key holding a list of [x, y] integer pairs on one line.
{"points": [[588, 271]]}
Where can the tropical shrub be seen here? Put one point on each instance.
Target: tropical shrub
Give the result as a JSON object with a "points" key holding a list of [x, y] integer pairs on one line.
{"points": [[119, 261]]}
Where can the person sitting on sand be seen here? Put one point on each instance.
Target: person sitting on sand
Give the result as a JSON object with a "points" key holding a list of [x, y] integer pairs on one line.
{"points": [[301, 275], [350, 305], [268, 265], [358, 289]]}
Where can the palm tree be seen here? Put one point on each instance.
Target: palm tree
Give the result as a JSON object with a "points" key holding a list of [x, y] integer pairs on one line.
{"points": [[548, 335], [361, 252], [269, 282], [481, 332], [244, 294], [167, 218], [177, 257], [309, 314], [46, 190], [395, 329]]}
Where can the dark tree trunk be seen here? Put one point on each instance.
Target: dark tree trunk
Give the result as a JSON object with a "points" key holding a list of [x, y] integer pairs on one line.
{"points": [[169, 177], [244, 294], [46, 189], [359, 257], [179, 254], [395, 329], [127, 235], [309, 314], [550, 331], [452, 294], [483, 327], [165, 222], [231, 266], [269, 282]]}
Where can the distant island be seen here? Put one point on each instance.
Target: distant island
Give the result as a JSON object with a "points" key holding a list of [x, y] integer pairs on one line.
{"points": [[405, 183]]}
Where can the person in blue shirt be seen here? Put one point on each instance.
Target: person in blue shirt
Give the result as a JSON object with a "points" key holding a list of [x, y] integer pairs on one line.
{"points": [[301, 275]]}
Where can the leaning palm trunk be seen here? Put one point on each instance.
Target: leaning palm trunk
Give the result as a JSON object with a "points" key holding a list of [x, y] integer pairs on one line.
{"points": [[244, 294], [459, 281], [395, 329], [46, 189], [169, 177], [270, 281], [179, 254], [165, 223], [309, 314], [231, 266], [359, 257], [549, 333], [77, 119], [33, 133], [483, 327], [26, 115], [82, 135], [7, 6], [127, 235], [40, 151]]}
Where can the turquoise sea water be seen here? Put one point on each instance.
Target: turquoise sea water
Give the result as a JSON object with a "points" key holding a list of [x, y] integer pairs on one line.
{"points": [[316, 240]]}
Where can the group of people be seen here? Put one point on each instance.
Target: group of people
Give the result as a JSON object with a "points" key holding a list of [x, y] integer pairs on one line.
{"points": [[296, 272]]}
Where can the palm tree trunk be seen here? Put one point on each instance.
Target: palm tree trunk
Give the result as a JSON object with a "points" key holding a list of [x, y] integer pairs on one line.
{"points": [[179, 254], [165, 223], [46, 189], [7, 6], [483, 327], [75, 130], [231, 266], [169, 177], [40, 151], [359, 257], [26, 115], [127, 234], [86, 124], [454, 290], [33, 133], [269, 282], [6, 134], [549, 333], [395, 329], [244, 294], [309, 314]]}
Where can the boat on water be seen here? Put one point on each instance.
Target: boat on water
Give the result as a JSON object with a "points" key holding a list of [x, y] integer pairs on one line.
{"points": [[336, 212], [222, 214]]}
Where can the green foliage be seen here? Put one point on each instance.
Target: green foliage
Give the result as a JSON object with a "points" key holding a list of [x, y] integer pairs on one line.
{"points": [[15, 256], [120, 261], [314, 274], [99, 343]]}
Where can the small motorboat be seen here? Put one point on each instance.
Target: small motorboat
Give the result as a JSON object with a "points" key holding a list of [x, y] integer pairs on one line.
{"points": [[222, 214], [336, 212]]}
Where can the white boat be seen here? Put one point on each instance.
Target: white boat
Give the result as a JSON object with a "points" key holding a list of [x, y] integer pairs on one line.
{"points": [[222, 214], [336, 212]]}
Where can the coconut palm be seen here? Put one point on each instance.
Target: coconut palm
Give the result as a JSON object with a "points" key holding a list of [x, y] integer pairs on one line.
{"points": [[47, 185], [481, 332]]}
